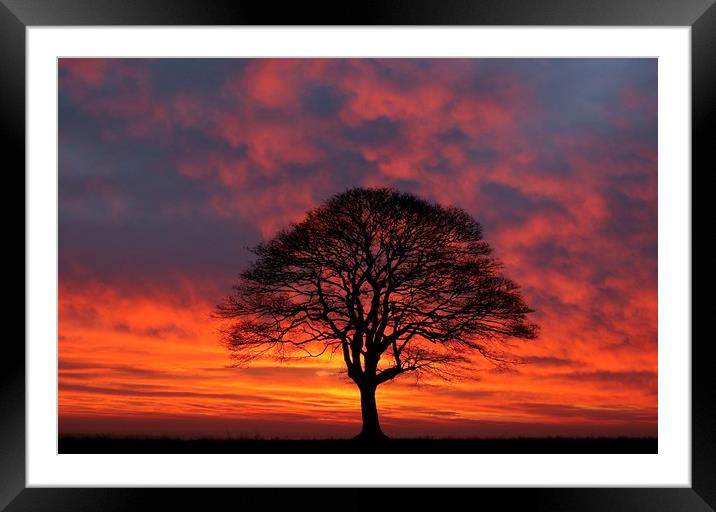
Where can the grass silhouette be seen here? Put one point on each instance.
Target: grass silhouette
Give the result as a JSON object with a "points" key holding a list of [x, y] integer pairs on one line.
{"points": [[526, 445]]}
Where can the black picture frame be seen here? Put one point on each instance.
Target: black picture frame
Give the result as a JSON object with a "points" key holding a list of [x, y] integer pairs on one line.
{"points": [[17, 15]]}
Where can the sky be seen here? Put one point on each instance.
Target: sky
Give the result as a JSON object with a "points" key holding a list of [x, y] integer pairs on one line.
{"points": [[169, 169]]}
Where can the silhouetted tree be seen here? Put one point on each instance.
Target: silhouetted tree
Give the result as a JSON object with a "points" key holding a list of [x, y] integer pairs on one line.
{"points": [[393, 283]]}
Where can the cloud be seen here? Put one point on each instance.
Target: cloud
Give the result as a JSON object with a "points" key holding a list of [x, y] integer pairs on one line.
{"points": [[587, 413], [551, 361], [640, 380], [374, 132], [323, 100]]}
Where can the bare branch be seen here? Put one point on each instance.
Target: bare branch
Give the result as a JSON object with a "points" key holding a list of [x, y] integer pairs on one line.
{"points": [[397, 284]]}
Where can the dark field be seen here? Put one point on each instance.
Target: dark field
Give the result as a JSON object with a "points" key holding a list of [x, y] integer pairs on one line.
{"points": [[76, 444]]}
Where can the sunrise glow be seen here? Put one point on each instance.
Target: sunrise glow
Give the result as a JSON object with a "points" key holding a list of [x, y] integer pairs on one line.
{"points": [[170, 168]]}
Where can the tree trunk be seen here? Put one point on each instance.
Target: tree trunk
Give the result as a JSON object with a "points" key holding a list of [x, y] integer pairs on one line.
{"points": [[369, 412]]}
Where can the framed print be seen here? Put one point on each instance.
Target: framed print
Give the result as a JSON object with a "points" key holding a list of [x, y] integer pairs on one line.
{"points": [[414, 246]]}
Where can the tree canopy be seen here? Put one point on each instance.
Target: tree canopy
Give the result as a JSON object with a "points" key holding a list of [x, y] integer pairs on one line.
{"points": [[393, 283]]}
